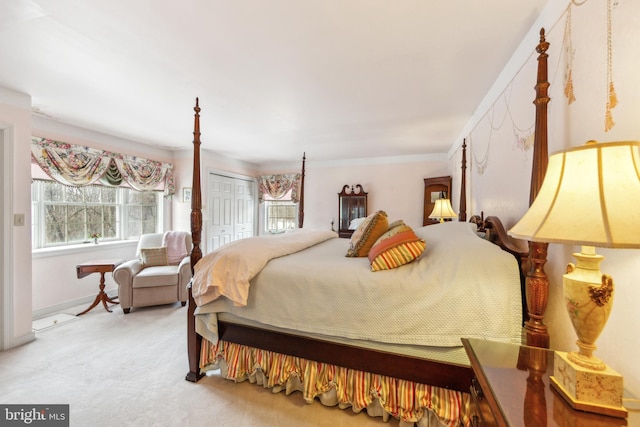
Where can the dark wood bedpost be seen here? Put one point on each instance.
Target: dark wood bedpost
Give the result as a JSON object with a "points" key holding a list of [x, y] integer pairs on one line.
{"points": [[194, 341], [301, 203], [537, 282], [462, 215]]}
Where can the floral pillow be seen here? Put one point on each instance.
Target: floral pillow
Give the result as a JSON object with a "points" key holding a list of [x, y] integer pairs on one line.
{"points": [[367, 233], [396, 247]]}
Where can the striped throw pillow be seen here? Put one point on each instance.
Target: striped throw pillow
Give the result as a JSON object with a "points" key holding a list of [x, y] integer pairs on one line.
{"points": [[396, 247]]}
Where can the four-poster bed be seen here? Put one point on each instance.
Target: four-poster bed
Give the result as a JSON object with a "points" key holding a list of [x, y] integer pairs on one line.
{"points": [[440, 373]]}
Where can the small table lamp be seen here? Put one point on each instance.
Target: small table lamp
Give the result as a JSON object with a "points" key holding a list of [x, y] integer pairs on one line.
{"points": [[442, 210], [589, 197]]}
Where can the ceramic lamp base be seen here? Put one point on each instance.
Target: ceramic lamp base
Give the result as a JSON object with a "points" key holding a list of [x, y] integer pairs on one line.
{"points": [[584, 389]]}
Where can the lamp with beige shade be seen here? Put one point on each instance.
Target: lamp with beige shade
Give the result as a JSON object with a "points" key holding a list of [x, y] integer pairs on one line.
{"points": [[590, 197], [443, 210]]}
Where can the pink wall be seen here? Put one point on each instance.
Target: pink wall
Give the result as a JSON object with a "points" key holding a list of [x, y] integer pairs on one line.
{"points": [[395, 187]]}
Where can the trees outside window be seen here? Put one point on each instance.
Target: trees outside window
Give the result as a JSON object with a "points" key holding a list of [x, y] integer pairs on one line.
{"points": [[64, 215], [280, 215]]}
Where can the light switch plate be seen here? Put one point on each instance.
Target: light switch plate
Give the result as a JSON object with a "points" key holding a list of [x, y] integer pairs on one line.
{"points": [[18, 220]]}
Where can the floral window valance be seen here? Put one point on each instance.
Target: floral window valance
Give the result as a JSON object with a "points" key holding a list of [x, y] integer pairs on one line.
{"points": [[276, 186], [79, 166]]}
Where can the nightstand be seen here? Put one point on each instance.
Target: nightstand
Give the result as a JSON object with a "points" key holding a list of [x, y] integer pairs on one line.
{"points": [[511, 388]]}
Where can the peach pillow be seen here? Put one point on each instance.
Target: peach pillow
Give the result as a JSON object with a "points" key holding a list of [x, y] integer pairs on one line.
{"points": [[396, 247]]}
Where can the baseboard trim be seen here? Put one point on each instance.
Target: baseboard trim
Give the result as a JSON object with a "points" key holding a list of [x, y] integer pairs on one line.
{"points": [[23, 339], [47, 311]]}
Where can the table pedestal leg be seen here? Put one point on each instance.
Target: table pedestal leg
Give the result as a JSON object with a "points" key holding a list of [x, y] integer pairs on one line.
{"points": [[102, 296]]}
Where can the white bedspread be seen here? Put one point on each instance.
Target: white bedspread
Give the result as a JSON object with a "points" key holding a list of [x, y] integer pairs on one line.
{"points": [[461, 286], [228, 270]]}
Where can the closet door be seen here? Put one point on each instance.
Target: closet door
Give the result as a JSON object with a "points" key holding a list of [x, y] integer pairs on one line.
{"points": [[231, 210], [220, 210], [245, 208]]}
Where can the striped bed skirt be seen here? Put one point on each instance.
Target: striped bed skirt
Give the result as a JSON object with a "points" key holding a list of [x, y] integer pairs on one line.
{"points": [[411, 403]]}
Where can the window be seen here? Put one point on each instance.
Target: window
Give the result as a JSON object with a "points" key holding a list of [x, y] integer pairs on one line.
{"points": [[64, 215], [280, 215], [142, 212]]}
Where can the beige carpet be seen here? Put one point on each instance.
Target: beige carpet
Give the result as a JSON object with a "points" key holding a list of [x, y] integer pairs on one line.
{"points": [[128, 370]]}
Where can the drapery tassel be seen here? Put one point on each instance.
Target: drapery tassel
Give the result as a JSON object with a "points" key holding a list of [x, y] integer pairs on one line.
{"points": [[568, 88], [608, 121], [568, 42], [613, 98], [611, 103]]}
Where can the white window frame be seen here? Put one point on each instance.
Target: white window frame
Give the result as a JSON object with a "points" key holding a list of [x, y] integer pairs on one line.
{"points": [[284, 200], [38, 228]]}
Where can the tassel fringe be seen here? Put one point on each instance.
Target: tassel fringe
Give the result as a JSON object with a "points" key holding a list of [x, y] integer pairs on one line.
{"points": [[568, 89], [613, 99]]}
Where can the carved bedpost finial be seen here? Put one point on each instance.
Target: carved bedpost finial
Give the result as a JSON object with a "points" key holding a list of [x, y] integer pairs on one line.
{"points": [[543, 45]]}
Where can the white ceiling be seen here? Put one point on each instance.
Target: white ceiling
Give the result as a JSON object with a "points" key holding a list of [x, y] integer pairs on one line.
{"points": [[334, 78]]}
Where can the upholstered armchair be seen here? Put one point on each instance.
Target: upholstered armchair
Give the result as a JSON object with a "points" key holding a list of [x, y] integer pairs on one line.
{"points": [[159, 274]]}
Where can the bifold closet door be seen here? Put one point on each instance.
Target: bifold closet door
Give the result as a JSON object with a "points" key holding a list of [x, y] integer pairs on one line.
{"points": [[231, 205]]}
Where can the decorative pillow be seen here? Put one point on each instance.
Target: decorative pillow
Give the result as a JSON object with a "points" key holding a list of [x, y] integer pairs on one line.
{"points": [[367, 233], [353, 225], [154, 256], [396, 223], [396, 247]]}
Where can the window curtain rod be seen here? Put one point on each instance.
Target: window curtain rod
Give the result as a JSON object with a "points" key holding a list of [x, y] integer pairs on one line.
{"points": [[80, 166]]}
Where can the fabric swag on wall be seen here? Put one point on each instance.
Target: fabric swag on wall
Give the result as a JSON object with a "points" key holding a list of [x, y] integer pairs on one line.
{"points": [[79, 166]]}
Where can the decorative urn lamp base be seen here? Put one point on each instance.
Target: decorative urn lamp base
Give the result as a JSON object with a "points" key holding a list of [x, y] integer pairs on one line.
{"points": [[587, 390], [586, 382]]}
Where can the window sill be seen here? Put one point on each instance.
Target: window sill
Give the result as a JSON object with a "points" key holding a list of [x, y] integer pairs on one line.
{"points": [[80, 248]]}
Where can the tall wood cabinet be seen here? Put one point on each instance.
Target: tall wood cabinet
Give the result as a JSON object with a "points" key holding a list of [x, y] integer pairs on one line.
{"points": [[351, 204]]}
